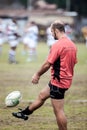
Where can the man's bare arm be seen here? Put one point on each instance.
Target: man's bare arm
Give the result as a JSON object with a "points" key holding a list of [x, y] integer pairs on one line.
{"points": [[44, 68]]}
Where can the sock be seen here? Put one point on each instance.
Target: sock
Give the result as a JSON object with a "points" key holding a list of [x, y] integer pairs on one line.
{"points": [[12, 56], [0, 50], [27, 111], [32, 54]]}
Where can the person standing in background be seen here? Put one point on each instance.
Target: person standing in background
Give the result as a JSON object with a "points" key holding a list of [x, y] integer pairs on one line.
{"points": [[12, 36], [2, 35], [50, 38], [33, 36], [84, 32], [69, 31], [26, 39]]}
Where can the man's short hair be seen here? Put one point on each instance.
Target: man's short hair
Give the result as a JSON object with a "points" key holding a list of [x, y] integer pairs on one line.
{"points": [[58, 25]]}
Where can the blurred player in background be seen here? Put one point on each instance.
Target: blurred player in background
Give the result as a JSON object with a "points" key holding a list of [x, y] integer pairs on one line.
{"points": [[69, 31], [84, 31], [50, 38], [26, 39], [33, 39], [12, 37], [30, 40], [2, 35]]}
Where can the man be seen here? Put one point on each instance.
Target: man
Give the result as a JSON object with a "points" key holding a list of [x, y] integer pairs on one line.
{"points": [[26, 39], [84, 32], [33, 40], [2, 35], [50, 38], [12, 34], [61, 59]]}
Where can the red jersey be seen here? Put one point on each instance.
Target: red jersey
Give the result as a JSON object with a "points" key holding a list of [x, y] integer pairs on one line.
{"points": [[62, 57]]}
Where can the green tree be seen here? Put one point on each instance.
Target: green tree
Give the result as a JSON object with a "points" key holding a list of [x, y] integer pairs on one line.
{"points": [[24, 2], [80, 6], [75, 5]]}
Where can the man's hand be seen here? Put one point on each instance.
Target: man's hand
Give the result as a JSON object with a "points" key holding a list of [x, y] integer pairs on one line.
{"points": [[35, 78]]}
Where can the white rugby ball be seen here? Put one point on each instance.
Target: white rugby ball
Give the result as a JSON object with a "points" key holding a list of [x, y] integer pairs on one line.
{"points": [[13, 99]]}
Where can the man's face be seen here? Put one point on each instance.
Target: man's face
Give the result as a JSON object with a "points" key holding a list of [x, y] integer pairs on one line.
{"points": [[54, 33]]}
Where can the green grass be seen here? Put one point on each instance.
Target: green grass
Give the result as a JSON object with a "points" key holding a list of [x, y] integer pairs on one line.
{"points": [[18, 77]]}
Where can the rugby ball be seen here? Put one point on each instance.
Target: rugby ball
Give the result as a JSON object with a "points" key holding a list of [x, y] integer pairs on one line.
{"points": [[13, 99]]}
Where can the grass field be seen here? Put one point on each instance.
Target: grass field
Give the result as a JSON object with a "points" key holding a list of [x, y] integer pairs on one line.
{"points": [[18, 77]]}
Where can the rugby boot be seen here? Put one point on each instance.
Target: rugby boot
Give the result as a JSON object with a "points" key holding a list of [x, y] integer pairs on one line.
{"points": [[20, 115]]}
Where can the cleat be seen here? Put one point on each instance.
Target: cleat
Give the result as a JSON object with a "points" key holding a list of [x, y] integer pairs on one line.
{"points": [[20, 115]]}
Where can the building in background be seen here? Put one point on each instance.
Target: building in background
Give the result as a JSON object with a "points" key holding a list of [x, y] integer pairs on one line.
{"points": [[32, 10]]}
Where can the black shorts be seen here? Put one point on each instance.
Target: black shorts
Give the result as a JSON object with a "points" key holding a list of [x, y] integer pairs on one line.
{"points": [[56, 92]]}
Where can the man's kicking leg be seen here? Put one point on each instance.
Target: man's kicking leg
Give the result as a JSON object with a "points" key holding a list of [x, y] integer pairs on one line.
{"points": [[43, 95]]}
